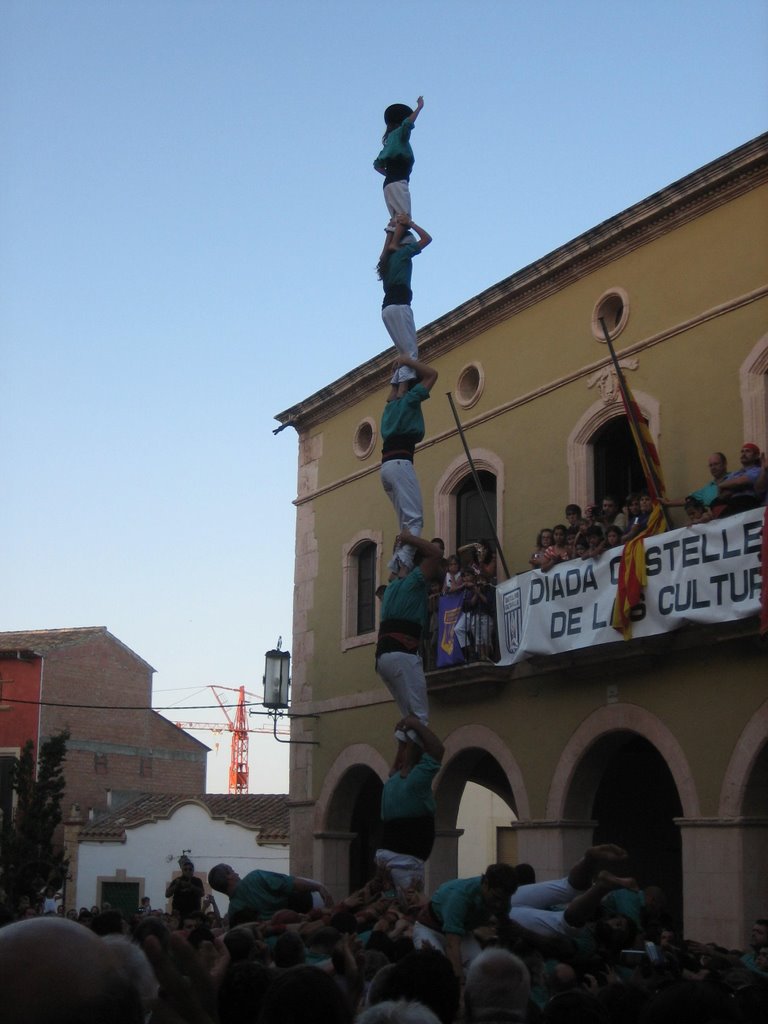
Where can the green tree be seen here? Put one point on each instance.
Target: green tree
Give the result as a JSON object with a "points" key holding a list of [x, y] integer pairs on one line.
{"points": [[28, 860]]}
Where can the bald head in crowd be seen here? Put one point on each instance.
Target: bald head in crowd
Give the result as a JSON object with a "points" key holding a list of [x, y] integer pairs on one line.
{"points": [[53, 971]]}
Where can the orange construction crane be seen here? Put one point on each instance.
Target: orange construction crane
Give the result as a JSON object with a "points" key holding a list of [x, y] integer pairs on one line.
{"points": [[238, 762]]}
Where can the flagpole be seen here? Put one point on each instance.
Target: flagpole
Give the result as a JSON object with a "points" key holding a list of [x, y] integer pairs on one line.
{"points": [[478, 485], [630, 412]]}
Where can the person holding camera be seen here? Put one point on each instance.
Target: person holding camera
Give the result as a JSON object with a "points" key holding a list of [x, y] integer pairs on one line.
{"points": [[186, 890]]}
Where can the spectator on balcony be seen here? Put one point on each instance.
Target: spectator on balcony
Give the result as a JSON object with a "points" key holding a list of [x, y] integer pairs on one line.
{"points": [[695, 511], [486, 561], [610, 514], [572, 535], [557, 551], [737, 492], [573, 515], [474, 627], [632, 506], [543, 541], [718, 467], [453, 576], [613, 537], [595, 542], [580, 547], [640, 521]]}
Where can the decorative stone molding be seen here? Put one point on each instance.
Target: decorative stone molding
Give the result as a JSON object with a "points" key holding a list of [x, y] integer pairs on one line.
{"points": [[753, 379], [607, 382]]}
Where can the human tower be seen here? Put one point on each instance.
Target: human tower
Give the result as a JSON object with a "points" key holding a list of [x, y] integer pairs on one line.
{"points": [[415, 562]]}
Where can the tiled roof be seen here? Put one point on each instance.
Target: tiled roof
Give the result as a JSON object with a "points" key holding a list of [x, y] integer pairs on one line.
{"points": [[265, 813], [39, 641]]}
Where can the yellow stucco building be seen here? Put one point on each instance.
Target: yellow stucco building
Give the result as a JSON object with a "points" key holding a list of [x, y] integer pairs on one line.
{"points": [[659, 742]]}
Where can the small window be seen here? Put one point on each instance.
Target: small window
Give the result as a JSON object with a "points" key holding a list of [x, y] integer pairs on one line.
{"points": [[364, 440], [470, 384], [366, 588], [145, 767], [613, 308], [100, 764], [360, 563]]}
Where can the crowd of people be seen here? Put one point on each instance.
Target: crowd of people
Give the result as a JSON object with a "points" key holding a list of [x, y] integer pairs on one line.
{"points": [[610, 524], [590, 947]]}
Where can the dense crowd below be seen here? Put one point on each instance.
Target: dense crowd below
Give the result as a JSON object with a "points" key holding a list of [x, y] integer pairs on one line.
{"points": [[355, 961]]}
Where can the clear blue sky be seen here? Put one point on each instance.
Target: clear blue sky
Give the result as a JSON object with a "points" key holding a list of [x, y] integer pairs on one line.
{"points": [[189, 223]]}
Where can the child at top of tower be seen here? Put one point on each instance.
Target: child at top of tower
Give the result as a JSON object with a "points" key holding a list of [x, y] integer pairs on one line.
{"points": [[395, 161]]}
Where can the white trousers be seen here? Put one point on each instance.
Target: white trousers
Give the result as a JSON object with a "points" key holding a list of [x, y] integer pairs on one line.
{"points": [[406, 871], [401, 328], [401, 486], [528, 907], [403, 676], [397, 196]]}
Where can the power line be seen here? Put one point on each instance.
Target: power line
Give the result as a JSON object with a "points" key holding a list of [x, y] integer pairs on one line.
{"points": [[123, 707]]}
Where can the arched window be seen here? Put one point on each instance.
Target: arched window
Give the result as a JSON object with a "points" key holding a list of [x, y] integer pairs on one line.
{"points": [[360, 561], [471, 519], [616, 463]]}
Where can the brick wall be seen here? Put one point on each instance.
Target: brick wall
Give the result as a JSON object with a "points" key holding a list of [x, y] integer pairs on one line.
{"points": [[112, 751]]}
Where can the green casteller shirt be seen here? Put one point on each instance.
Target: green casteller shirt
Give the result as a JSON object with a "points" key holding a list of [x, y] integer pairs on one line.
{"points": [[459, 906], [410, 797], [398, 271], [406, 598], [396, 157], [262, 891], [404, 415]]}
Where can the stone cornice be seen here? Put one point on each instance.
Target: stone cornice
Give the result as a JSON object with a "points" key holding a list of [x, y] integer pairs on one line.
{"points": [[711, 186]]}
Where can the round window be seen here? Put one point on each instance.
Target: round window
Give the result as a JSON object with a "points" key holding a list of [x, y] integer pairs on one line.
{"points": [[364, 439], [469, 385], [612, 308]]}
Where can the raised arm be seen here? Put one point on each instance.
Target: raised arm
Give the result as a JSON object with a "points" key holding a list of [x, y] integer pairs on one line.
{"points": [[432, 744], [427, 374], [432, 555], [404, 221], [417, 111]]}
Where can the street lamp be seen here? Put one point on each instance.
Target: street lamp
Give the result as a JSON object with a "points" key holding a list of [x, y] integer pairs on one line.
{"points": [[277, 683], [277, 678]]}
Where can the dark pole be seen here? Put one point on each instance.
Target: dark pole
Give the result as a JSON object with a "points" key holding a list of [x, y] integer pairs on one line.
{"points": [[476, 478]]}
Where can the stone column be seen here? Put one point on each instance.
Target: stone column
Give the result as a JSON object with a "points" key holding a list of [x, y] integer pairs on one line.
{"points": [[725, 884], [332, 861], [552, 847], [443, 864]]}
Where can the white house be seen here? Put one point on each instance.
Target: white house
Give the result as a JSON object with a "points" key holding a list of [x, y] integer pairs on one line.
{"points": [[134, 851]]}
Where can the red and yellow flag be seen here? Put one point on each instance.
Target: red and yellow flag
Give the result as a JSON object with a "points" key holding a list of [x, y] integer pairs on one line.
{"points": [[632, 574], [646, 448]]}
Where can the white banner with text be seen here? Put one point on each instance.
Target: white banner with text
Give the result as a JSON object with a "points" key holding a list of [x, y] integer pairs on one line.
{"points": [[702, 574]]}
